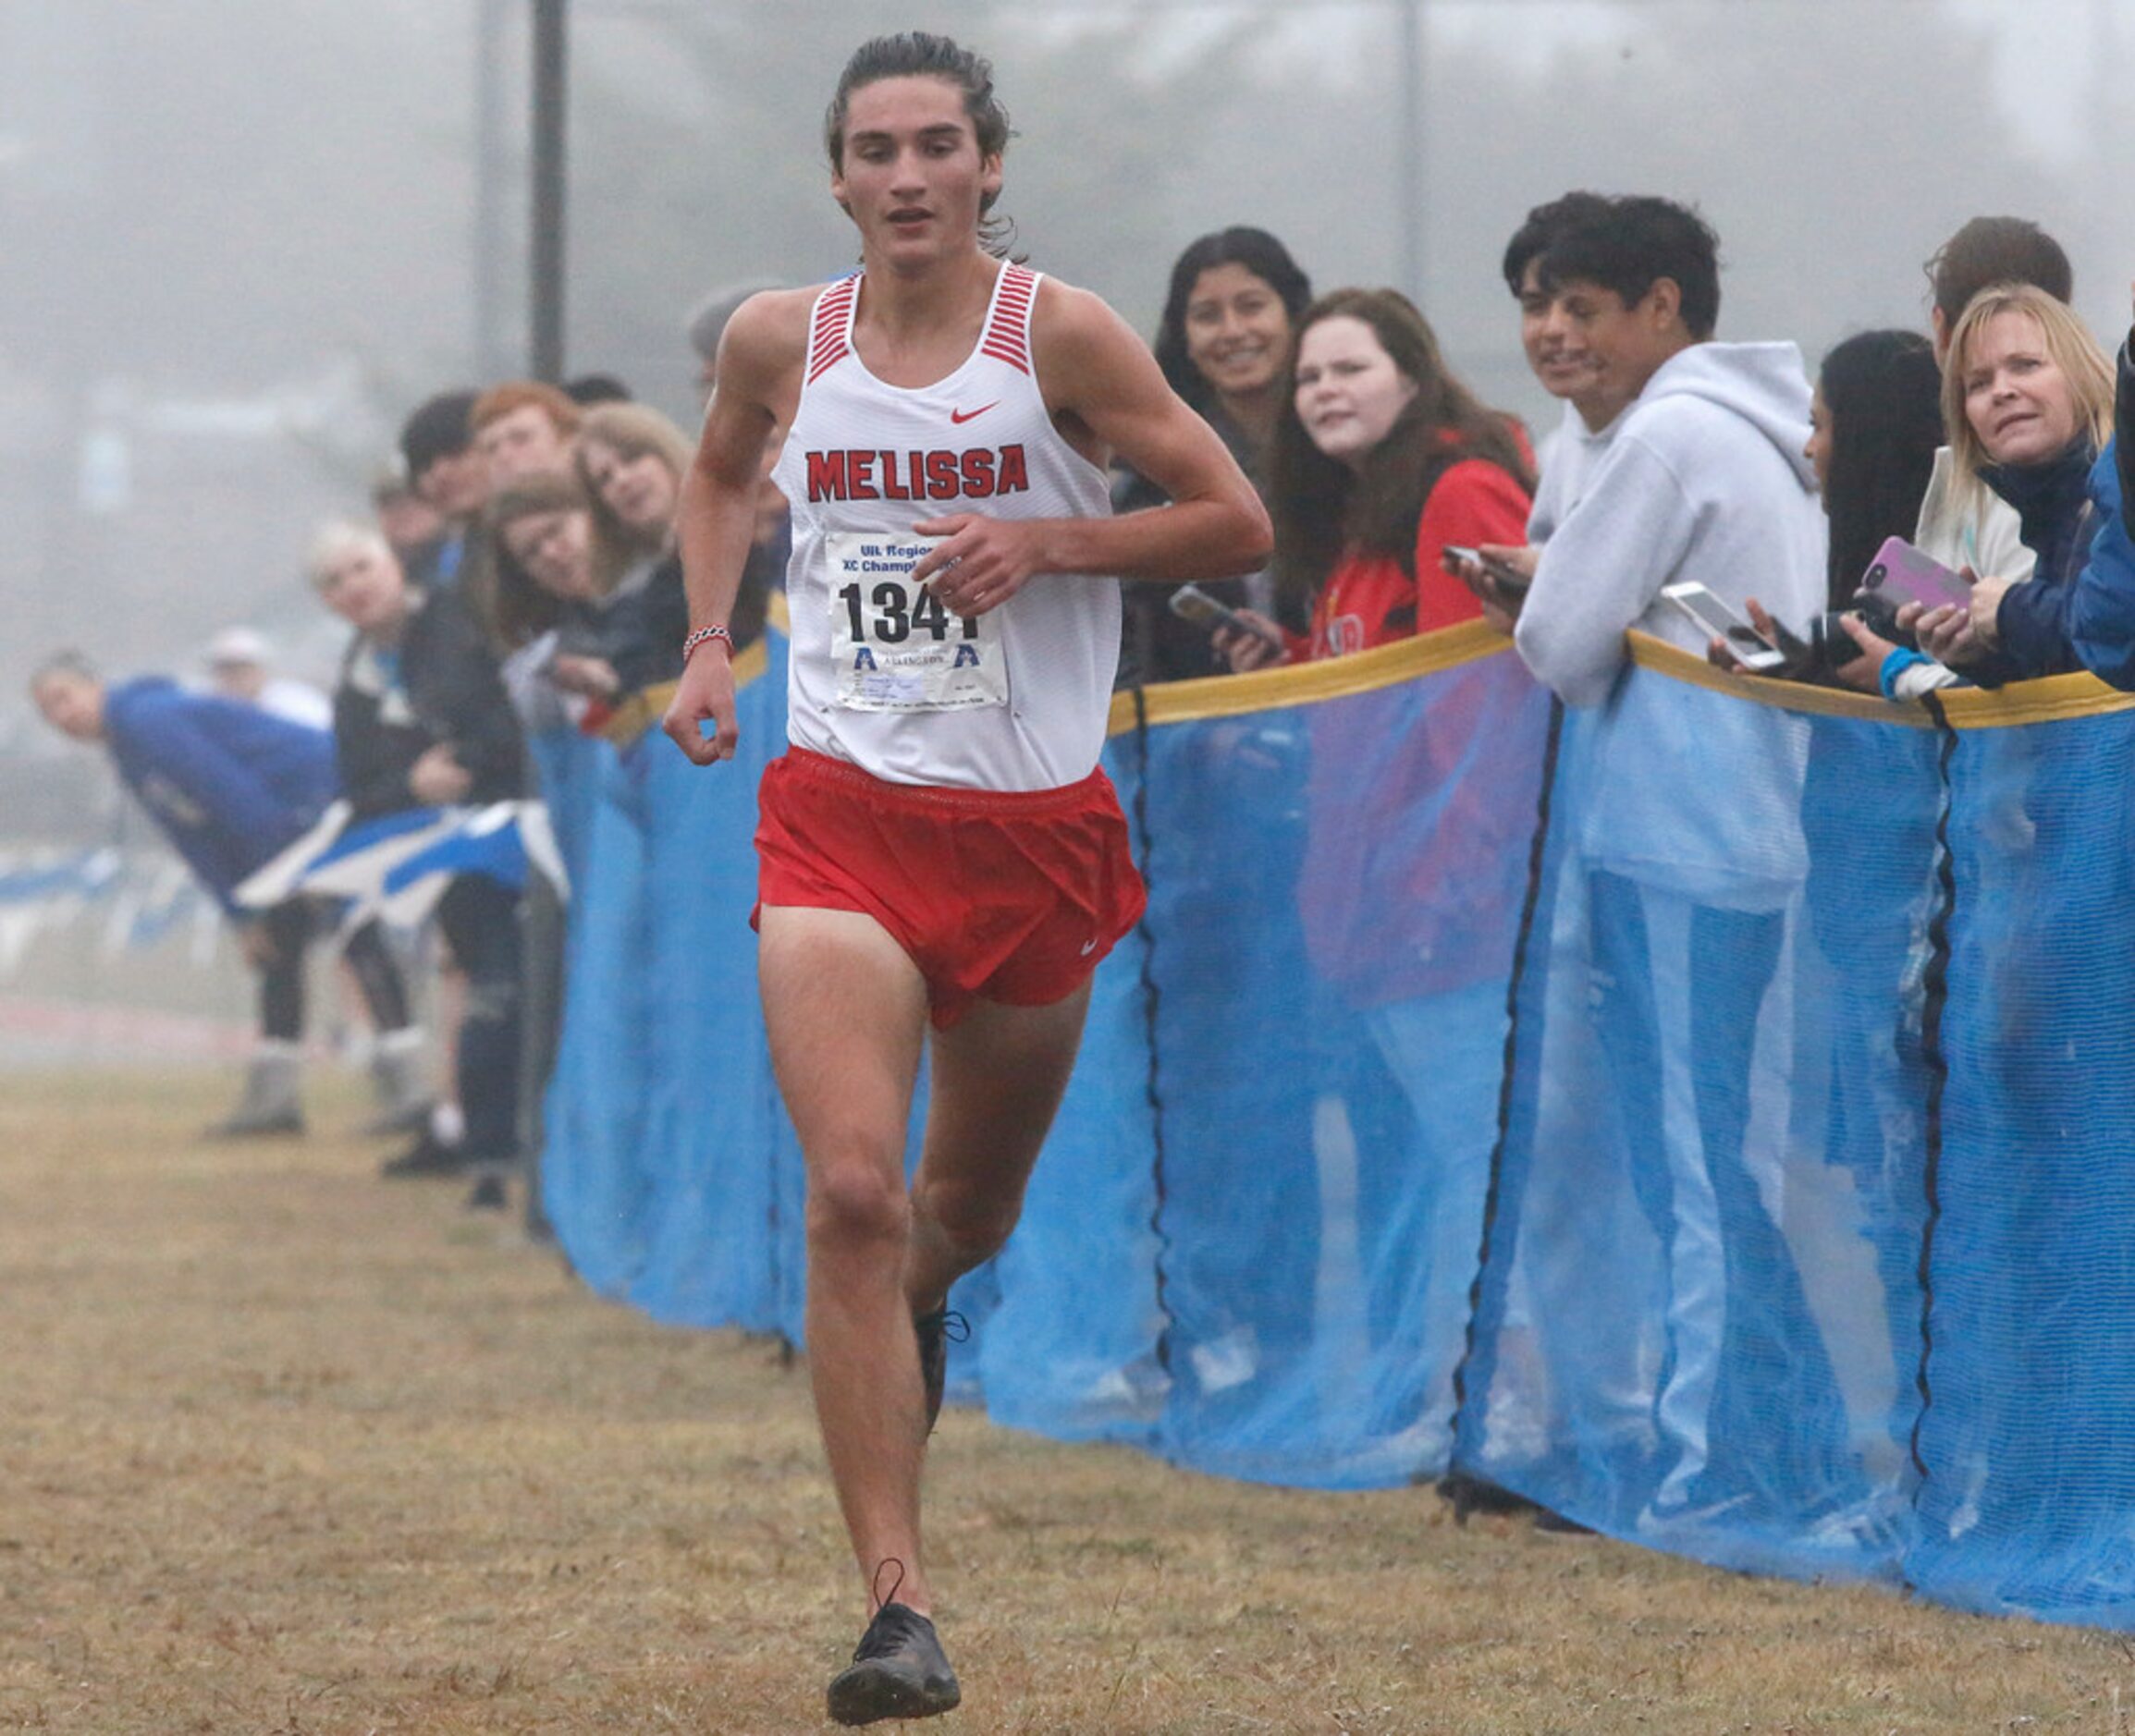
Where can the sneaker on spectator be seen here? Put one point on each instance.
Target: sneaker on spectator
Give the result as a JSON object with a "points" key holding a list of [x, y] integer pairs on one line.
{"points": [[270, 1105], [488, 1194], [428, 1155], [1468, 1494], [399, 1076], [898, 1670]]}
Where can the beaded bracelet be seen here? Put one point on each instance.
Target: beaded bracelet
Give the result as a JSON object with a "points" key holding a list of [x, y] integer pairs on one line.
{"points": [[704, 634]]}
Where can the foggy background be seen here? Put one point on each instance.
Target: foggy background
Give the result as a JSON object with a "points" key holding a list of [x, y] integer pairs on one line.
{"points": [[240, 239]]}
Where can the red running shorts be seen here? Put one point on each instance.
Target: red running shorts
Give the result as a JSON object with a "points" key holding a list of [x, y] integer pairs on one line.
{"points": [[1007, 896]]}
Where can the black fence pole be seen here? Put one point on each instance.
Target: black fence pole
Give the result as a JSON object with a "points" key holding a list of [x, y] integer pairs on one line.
{"points": [[546, 253], [493, 279]]}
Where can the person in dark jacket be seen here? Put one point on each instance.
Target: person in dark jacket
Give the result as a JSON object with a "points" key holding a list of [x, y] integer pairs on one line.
{"points": [[2086, 623], [1225, 342], [231, 786], [598, 578], [450, 475], [422, 720]]}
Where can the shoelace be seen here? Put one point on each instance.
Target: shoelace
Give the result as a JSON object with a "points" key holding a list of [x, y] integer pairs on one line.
{"points": [[882, 1600], [895, 1625]]}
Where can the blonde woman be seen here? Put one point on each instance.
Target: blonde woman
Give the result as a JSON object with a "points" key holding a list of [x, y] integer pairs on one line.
{"points": [[631, 461], [2027, 405]]}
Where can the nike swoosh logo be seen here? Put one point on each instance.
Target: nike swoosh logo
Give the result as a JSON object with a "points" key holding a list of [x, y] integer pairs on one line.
{"points": [[961, 416], [1090, 947]]}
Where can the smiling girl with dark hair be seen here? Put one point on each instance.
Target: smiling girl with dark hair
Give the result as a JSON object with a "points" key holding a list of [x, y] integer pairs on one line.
{"points": [[1224, 343]]}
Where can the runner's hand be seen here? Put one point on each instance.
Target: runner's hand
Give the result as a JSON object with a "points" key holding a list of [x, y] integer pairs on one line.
{"points": [[706, 693], [981, 563]]}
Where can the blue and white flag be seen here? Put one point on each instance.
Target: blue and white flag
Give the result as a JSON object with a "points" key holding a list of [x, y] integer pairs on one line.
{"points": [[398, 865]]}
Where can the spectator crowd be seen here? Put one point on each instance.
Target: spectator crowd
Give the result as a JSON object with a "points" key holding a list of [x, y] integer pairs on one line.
{"points": [[516, 574]]}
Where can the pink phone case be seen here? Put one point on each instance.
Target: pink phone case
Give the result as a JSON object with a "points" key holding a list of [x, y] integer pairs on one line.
{"points": [[1901, 572]]}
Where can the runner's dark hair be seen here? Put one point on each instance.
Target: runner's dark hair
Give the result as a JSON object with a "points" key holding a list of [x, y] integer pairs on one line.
{"points": [[920, 55]]}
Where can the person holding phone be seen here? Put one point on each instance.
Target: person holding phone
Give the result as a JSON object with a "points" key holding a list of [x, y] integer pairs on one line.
{"points": [[1876, 426], [1877, 395], [1958, 526], [1384, 457], [1704, 482], [1224, 343], [2027, 403], [1875, 423]]}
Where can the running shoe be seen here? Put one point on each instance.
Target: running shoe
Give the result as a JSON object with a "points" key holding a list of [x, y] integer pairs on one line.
{"points": [[898, 1670]]}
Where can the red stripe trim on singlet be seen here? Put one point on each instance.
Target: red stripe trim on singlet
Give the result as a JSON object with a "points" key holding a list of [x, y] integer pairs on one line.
{"points": [[1007, 336], [830, 339]]}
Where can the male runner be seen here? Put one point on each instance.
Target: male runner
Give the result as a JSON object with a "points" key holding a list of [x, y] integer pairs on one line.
{"points": [[938, 844]]}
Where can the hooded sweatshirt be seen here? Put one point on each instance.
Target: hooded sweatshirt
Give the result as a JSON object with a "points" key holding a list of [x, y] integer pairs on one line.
{"points": [[1703, 479], [1569, 458]]}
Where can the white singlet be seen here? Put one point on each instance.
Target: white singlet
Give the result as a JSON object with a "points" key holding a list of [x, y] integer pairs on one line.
{"points": [[881, 675]]}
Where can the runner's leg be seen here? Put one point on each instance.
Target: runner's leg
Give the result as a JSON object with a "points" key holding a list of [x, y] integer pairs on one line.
{"points": [[845, 1009], [998, 1077]]}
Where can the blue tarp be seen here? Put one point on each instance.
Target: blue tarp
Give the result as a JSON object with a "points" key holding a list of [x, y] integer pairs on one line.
{"points": [[1722, 1111]]}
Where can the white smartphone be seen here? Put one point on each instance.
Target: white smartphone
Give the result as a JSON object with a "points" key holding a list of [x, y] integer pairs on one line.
{"points": [[1751, 649]]}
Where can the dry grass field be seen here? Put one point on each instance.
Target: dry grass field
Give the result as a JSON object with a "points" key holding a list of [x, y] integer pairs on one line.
{"points": [[285, 1450]]}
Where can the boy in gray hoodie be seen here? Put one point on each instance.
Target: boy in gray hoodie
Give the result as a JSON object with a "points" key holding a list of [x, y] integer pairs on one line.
{"points": [[1689, 845]]}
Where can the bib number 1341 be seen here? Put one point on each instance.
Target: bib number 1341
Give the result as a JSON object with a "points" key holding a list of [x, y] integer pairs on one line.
{"points": [[891, 611], [893, 646]]}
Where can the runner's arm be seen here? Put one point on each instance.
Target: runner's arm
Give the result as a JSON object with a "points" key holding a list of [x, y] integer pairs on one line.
{"points": [[716, 516], [1110, 383]]}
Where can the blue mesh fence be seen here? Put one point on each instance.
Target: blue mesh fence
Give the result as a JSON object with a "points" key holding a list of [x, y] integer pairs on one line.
{"points": [[670, 1171], [1703, 1318], [2028, 1501], [1706, 1118]]}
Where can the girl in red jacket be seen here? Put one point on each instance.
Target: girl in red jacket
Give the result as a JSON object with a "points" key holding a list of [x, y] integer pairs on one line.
{"points": [[1384, 458]]}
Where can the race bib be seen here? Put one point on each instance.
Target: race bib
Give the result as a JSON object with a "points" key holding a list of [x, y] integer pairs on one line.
{"points": [[892, 644]]}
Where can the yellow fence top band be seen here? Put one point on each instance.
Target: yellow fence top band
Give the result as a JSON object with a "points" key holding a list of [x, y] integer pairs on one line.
{"points": [[1308, 683], [2045, 700]]}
